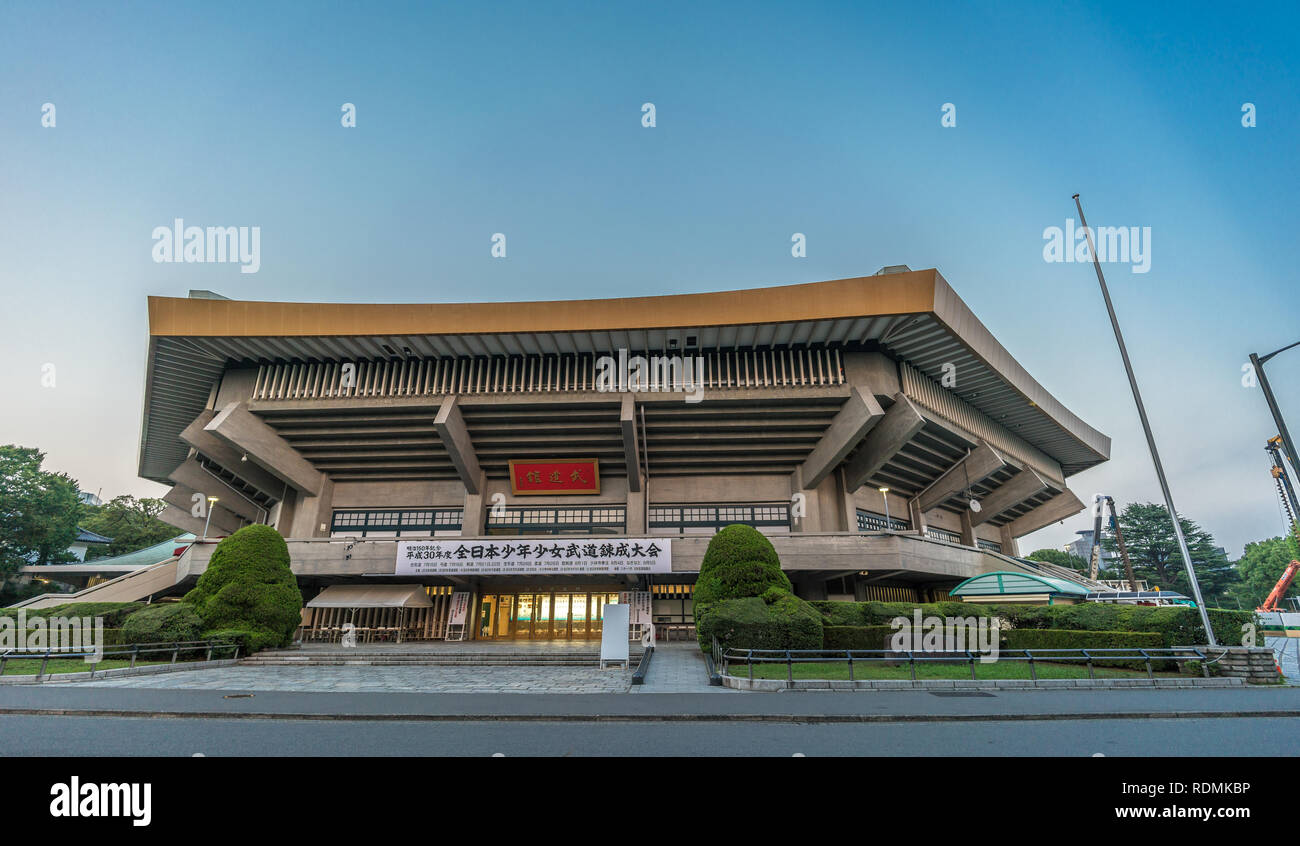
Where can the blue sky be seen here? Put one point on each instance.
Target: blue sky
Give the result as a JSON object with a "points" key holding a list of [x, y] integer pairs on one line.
{"points": [[772, 119]]}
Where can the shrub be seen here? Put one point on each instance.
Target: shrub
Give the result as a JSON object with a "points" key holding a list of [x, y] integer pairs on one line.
{"points": [[248, 587], [784, 622], [739, 563], [838, 613], [163, 623], [249, 642], [1080, 639]]}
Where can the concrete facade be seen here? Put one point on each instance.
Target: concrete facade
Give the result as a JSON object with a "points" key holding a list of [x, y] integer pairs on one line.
{"points": [[815, 397]]}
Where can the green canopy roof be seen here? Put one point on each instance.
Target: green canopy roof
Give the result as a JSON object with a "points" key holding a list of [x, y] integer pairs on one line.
{"points": [[1007, 583]]}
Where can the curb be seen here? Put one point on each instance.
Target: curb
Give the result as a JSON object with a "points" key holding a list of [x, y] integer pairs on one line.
{"points": [[644, 718], [799, 685]]}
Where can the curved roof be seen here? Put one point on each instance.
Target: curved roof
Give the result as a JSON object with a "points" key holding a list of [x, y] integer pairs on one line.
{"points": [[915, 316], [1008, 583]]}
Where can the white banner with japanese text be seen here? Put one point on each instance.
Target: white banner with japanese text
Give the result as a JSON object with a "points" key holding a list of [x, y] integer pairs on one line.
{"points": [[523, 556]]}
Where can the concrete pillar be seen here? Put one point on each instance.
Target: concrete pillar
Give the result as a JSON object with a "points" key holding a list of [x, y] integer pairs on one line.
{"points": [[1010, 545], [475, 518], [313, 514], [808, 501], [967, 529], [636, 514]]}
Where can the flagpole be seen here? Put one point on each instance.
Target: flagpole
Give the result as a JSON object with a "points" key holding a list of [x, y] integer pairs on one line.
{"points": [[1146, 429]]}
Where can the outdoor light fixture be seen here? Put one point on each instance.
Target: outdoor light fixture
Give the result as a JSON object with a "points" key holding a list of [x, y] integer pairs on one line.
{"points": [[212, 500], [975, 505], [244, 457], [884, 494]]}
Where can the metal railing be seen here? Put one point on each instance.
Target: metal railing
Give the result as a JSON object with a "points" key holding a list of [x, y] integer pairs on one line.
{"points": [[133, 650], [724, 658]]}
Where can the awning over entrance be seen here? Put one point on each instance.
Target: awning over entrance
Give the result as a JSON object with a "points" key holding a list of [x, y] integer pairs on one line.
{"points": [[372, 596]]}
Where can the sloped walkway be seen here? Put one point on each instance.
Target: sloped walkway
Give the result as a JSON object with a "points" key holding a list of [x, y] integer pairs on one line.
{"points": [[678, 668]]}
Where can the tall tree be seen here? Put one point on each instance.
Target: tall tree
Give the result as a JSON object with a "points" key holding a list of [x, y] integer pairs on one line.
{"points": [[1153, 550], [131, 523], [1261, 565], [39, 510]]}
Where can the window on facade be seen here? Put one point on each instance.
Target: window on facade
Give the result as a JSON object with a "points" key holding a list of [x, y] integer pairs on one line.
{"points": [[771, 519], [992, 546], [557, 520], [942, 534], [870, 521], [397, 522]]}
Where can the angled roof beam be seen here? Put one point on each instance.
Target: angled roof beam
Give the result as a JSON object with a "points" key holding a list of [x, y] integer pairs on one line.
{"points": [[245, 431], [859, 414], [883, 442], [1064, 504], [450, 426], [1016, 490], [970, 470], [227, 456], [191, 478]]}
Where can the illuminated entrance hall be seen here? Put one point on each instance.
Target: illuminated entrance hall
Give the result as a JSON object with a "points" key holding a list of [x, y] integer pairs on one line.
{"points": [[537, 615]]}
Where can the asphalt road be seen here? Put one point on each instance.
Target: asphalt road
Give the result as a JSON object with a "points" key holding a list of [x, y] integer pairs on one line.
{"points": [[131, 736]]}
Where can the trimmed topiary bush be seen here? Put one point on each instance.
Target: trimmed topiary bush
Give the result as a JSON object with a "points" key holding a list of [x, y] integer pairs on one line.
{"points": [[739, 563], [248, 587], [163, 623], [776, 620]]}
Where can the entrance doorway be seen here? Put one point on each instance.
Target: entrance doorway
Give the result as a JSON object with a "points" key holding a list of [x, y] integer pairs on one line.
{"points": [[550, 615]]}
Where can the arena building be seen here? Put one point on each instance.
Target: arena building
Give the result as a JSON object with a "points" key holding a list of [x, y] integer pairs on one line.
{"points": [[532, 461]]}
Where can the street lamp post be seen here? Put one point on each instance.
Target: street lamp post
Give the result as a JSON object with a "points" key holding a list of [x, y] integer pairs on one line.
{"points": [[212, 500], [1258, 362], [1146, 428], [884, 494]]}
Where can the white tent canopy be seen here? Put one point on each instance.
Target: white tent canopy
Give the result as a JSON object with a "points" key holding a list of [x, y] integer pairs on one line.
{"points": [[372, 596]]}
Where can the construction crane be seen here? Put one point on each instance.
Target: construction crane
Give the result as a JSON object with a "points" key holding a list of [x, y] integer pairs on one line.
{"points": [[1101, 502], [1286, 495]]}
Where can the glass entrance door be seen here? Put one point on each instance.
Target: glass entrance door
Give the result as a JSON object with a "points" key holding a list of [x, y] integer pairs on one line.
{"points": [[543, 616]]}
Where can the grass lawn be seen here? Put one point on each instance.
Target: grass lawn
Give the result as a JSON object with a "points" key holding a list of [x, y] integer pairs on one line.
{"points": [[32, 666], [839, 671]]}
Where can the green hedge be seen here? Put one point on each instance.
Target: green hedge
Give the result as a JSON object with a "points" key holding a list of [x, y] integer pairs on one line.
{"points": [[1080, 639], [784, 622], [112, 612], [838, 613], [857, 637], [167, 622], [1178, 625], [248, 587]]}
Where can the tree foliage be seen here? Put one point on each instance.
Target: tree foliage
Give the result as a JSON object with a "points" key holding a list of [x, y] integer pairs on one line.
{"points": [[1261, 565], [131, 523], [248, 587], [1059, 558], [1153, 551], [39, 510]]}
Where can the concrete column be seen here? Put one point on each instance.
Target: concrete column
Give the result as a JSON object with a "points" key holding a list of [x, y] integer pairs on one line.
{"points": [[917, 516], [967, 529], [475, 518], [1010, 546], [636, 515], [811, 521], [313, 514]]}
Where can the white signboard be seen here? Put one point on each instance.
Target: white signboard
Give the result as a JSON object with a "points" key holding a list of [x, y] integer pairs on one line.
{"points": [[459, 607], [613, 634], [535, 556]]}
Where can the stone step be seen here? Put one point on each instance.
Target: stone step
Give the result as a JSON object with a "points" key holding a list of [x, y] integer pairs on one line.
{"points": [[474, 659]]}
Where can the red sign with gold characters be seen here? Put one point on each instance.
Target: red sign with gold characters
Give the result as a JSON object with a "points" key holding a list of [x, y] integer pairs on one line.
{"points": [[532, 478]]}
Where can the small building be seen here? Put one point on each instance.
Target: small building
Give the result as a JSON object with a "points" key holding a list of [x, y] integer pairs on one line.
{"points": [[86, 539], [1004, 586]]}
